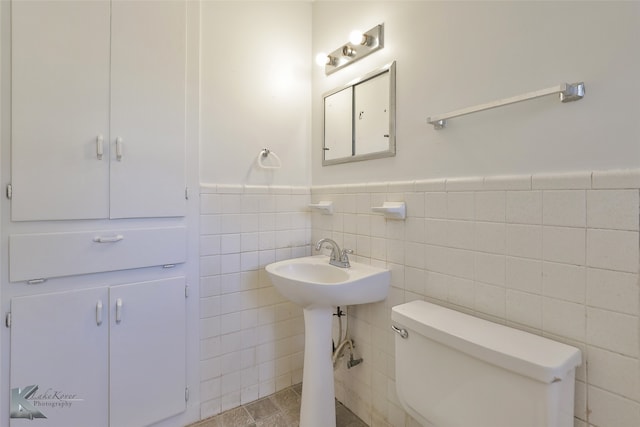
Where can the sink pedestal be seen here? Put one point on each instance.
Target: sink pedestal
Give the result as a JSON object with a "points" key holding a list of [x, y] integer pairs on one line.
{"points": [[318, 407], [317, 286]]}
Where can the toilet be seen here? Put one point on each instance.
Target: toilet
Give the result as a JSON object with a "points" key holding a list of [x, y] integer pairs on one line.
{"points": [[456, 370]]}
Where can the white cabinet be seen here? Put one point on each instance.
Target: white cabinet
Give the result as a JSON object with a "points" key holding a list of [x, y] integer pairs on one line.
{"points": [[101, 357], [98, 109], [59, 350], [147, 357], [148, 54], [59, 107]]}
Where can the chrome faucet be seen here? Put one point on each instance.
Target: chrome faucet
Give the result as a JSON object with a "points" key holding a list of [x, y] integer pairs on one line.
{"points": [[338, 258]]}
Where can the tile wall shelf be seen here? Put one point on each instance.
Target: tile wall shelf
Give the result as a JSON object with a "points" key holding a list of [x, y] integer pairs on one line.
{"points": [[324, 207], [392, 210]]}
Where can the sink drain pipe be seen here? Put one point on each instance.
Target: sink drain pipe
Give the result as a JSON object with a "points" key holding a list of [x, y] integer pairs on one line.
{"points": [[344, 341]]}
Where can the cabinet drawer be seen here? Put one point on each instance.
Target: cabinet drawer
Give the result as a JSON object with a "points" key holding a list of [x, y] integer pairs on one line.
{"points": [[44, 255]]}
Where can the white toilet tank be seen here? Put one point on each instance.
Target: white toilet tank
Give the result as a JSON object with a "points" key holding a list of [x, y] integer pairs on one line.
{"points": [[456, 370]]}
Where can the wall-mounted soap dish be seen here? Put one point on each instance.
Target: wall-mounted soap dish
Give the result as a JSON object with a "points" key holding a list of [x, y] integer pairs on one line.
{"points": [[392, 210], [325, 207]]}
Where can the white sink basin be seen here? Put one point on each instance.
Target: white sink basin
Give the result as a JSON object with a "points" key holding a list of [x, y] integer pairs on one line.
{"points": [[311, 281]]}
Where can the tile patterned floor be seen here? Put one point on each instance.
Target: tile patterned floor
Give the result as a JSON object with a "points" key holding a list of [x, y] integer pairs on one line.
{"points": [[281, 409]]}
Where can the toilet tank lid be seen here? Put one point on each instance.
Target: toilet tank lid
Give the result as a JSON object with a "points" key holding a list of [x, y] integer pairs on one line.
{"points": [[518, 351]]}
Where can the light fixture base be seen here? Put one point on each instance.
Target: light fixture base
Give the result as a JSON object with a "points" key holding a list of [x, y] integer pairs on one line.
{"points": [[375, 41]]}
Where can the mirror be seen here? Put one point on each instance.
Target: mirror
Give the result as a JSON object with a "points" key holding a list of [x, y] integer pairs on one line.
{"points": [[359, 118]]}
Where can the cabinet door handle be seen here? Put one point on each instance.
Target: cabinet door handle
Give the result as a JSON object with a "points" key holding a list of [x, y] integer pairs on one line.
{"points": [[99, 312], [118, 310], [99, 147], [108, 239], [119, 149]]}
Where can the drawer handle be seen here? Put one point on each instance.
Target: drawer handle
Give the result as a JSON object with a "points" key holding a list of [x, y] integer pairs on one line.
{"points": [[118, 310], [99, 312], [108, 239]]}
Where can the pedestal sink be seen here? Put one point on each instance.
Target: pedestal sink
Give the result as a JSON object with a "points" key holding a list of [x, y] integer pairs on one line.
{"points": [[318, 287]]}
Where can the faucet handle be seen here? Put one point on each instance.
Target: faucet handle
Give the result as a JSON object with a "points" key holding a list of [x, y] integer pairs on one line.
{"points": [[344, 259], [344, 253]]}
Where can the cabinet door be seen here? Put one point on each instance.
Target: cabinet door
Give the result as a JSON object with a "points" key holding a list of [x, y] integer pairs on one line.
{"points": [[148, 109], [59, 367], [59, 108], [147, 352]]}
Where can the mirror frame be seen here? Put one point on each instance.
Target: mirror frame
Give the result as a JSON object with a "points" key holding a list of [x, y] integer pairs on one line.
{"points": [[388, 68]]}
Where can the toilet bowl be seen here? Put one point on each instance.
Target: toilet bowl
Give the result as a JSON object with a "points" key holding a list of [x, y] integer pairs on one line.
{"points": [[456, 370]]}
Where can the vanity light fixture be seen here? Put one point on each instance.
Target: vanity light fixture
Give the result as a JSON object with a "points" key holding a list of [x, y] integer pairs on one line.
{"points": [[360, 45]]}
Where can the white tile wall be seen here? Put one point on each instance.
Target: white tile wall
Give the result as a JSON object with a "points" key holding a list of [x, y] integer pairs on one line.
{"points": [[613, 290], [251, 338], [524, 207], [613, 250], [564, 208], [556, 254], [562, 181], [552, 254], [524, 241], [615, 179], [490, 206], [612, 209]]}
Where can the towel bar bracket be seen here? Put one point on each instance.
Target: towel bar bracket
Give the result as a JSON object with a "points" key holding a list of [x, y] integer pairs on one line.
{"points": [[572, 92]]}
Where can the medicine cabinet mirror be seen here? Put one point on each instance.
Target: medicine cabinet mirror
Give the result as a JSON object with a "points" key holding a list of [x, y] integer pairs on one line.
{"points": [[360, 118]]}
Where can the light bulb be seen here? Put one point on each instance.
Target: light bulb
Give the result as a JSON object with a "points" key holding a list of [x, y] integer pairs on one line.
{"points": [[322, 59], [356, 37]]}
